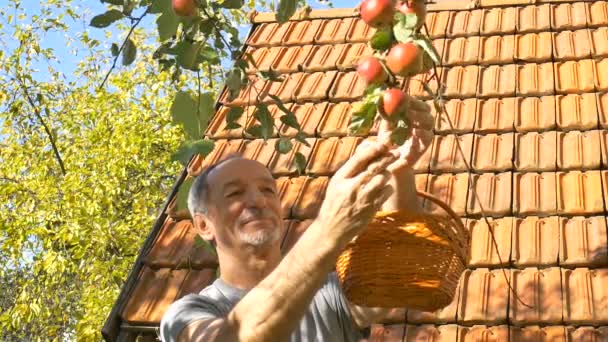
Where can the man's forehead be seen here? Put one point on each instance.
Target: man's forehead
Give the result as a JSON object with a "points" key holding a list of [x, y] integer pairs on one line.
{"points": [[239, 170]]}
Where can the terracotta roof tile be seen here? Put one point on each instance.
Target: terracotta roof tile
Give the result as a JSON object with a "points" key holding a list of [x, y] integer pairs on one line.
{"points": [[493, 152], [331, 153], [599, 42], [583, 242], [175, 248], [571, 45], [443, 315], [446, 155], [534, 241], [248, 95], [217, 126], [484, 333], [308, 114], [464, 23], [533, 18], [535, 113], [335, 120], [258, 149], [294, 231], [602, 108], [497, 49], [441, 47], [541, 291], [496, 81], [601, 74], [268, 34], [585, 298], [461, 81], [222, 149], [494, 192], [533, 47], [483, 252], [451, 189], [462, 115], [574, 76], [284, 89], [495, 115], [597, 13], [288, 189], [579, 193], [535, 333], [196, 281], [350, 55], [359, 31], [568, 16], [155, 291], [387, 333], [483, 297], [498, 20], [578, 150], [348, 86], [605, 187], [437, 23], [576, 111], [333, 31], [536, 151], [604, 147], [310, 198], [414, 86], [322, 57], [314, 87], [461, 51], [534, 193], [291, 59], [431, 333], [587, 333], [284, 164], [262, 58], [535, 79], [301, 32]]}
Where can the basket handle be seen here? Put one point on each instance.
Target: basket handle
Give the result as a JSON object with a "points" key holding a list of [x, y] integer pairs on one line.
{"points": [[443, 206]]}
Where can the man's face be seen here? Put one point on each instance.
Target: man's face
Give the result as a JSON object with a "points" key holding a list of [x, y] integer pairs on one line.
{"points": [[244, 206]]}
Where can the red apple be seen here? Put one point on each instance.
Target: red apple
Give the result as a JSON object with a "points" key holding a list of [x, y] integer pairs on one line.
{"points": [[415, 7], [404, 59], [377, 13], [184, 8], [371, 70], [393, 101]]}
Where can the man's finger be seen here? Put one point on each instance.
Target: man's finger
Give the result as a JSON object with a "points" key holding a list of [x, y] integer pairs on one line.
{"points": [[384, 194], [421, 119], [416, 104], [374, 169], [375, 184], [360, 160]]}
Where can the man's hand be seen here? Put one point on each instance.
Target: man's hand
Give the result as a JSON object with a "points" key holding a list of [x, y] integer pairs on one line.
{"points": [[357, 190], [421, 122]]}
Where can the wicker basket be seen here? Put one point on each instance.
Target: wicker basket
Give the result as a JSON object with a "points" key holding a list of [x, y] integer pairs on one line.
{"points": [[406, 260]]}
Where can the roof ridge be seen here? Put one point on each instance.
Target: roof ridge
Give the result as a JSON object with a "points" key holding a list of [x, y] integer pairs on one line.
{"points": [[307, 13]]}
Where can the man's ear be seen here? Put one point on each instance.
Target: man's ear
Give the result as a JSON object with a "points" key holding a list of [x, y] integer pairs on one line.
{"points": [[202, 228]]}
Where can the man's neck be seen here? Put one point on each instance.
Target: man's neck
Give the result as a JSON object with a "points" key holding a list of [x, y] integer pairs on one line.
{"points": [[246, 268]]}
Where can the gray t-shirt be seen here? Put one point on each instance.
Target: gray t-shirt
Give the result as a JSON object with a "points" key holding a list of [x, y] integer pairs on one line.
{"points": [[328, 318]]}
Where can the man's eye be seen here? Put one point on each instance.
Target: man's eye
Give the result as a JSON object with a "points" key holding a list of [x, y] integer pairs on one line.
{"points": [[271, 190], [234, 193]]}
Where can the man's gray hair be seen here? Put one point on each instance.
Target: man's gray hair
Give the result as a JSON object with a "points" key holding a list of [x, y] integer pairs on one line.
{"points": [[199, 191]]}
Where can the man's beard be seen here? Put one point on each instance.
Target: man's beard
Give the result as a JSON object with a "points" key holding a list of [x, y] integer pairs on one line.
{"points": [[260, 237]]}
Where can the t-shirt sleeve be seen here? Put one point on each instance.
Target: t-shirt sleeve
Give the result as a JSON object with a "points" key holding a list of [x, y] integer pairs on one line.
{"points": [[186, 310], [339, 303]]}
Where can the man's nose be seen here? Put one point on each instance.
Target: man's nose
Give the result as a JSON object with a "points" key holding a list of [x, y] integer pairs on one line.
{"points": [[255, 198]]}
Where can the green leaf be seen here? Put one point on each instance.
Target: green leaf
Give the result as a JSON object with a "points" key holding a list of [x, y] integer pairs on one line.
{"points": [[205, 111], [106, 19], [234, 82], [232, 125], [183, 112], [382, 40], [209, 54], [231, 4], [160, 6], [129, 52], [114, 49], [167, 24], [399, 135], [411, 20], [234, 114], [301, 138], [286, 9], [283, 145], [290, 120], [402, 28], [181, 198], [187, 54], [269, 75], [300, 160], [190, 148], [427, 45], [263, 116], [255, 131], [113, 2], [363, 117]]}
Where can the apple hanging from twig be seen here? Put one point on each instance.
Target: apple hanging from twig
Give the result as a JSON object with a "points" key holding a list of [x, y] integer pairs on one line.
{"points": [[404, 59], [184, 8], [377, 13], [371, 70]]}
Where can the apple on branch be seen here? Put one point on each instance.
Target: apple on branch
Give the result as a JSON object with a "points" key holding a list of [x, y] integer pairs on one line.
{"points": [[184, 8], [377, 13], [371, 70]]}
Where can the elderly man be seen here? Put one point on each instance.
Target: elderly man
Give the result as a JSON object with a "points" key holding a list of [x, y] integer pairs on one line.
{"points": [[262, 295]]}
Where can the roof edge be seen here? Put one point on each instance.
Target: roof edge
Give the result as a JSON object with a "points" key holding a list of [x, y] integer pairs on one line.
{"points": [[454, 5]]}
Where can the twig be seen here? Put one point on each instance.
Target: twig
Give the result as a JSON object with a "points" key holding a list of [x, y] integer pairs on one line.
{"points": [[218, 29], [198, 105], [124, 43], [36, 111]]}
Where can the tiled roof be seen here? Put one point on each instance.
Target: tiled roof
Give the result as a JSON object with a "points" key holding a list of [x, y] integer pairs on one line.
{"points": [[525, 87]]}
